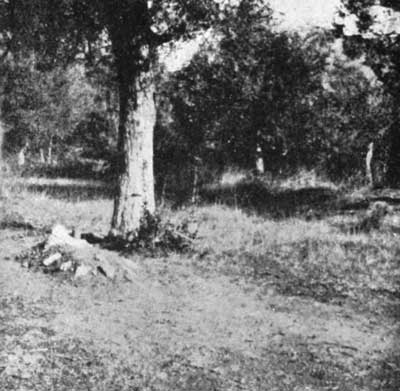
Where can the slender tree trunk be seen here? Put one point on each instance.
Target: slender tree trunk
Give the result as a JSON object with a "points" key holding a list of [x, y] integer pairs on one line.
{"points": [[368, 165], [197, 162], [21, 157], [260, 169], [195, 189], [42, 159], [50, 152], [136, 182]]}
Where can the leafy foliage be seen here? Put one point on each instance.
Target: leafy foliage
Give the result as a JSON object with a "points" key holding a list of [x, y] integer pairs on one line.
{"points": [[154, 234], [292, 96], [380, 48], [245, 91], [43, 108]]}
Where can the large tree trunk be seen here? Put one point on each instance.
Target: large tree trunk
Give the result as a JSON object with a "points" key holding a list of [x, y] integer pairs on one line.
{"points": [[136, 182]]}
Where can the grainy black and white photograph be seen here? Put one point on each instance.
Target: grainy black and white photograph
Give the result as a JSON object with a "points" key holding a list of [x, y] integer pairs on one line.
{"points": [[199, 195]]}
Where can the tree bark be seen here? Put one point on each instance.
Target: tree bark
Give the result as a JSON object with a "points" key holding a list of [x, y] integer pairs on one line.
{"points": [[136, 181]]}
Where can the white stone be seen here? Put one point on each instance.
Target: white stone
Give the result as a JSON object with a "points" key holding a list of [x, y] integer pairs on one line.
{"points": [[52, 259], [82, 271], [129, 275], [60, 236], [25, 264], [66, 266]]}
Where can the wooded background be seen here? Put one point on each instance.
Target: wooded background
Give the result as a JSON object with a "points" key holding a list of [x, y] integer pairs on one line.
{"points": [[251, 91]]}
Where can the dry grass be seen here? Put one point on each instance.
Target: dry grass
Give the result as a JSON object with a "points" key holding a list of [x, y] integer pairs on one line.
{"points": [[43, 210], [262, 304]]}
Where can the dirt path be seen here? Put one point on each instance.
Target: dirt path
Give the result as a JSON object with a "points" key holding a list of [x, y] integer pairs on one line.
{"points": [[179, 329]]}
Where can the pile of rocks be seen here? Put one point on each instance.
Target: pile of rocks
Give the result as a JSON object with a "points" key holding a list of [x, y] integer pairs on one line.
{"points": [[64, 252]]}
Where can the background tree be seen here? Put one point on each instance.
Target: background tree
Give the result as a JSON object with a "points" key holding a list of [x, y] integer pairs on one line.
{"points": [[346, 116], [237, 96], [305, 105], [42, 108], [380, 47]]}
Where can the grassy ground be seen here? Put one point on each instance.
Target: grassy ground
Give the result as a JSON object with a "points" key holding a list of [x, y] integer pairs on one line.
{"points": [[261, 304]]}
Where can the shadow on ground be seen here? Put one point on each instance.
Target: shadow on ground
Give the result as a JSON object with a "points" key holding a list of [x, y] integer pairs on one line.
{"points": [[73, 191], [387, 373], [277, 203]]}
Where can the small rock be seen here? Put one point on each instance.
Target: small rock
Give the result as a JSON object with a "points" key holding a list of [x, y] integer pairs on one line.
{"points": [[82, 271], [60, 237], [25, 264], [105, 264], [130, 269], [52, 259], [128, 275], [76, 233], [59, 231], [66, 266], [106, 269]]}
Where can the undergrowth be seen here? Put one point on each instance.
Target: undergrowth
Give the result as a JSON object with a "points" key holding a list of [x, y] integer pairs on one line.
{"points": [[157, 236]]}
